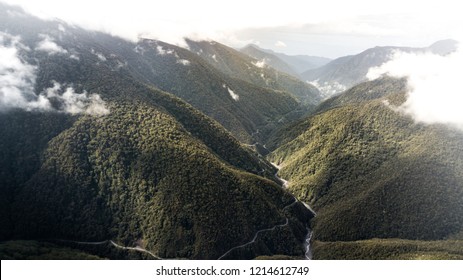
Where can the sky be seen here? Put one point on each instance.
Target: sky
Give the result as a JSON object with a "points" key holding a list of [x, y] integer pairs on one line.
{"points": [[329, 28]]}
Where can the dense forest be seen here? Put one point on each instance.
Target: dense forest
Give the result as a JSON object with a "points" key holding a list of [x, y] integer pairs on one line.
{"points": [[111, 149], [370, 171]]}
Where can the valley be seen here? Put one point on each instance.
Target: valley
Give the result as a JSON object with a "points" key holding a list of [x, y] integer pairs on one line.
{"points": [[119, 149]]}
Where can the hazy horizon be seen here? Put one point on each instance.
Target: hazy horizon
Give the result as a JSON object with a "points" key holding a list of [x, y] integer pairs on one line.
{"points": [[329, 29]]}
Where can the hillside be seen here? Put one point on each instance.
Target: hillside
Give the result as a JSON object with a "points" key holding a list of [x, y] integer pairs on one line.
{"points": [[240, 66], [33, 250], [90, 153], [269, 59], [144, 185], [148, 169], [297, 63], [113, 149], [390, 249], [240, 106], [371, 172], [345, 72]]}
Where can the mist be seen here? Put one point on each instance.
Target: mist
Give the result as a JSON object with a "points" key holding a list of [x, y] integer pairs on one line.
{"points": [[17, 83], [297, 27], [434, 89]]}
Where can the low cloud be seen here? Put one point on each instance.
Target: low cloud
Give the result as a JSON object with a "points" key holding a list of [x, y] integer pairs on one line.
{"points": [[435, 94], [261, 63], [233, 95], [100, 56], [162, 51], [183, 62], [17, 77], [66, 100], [17, 82], [48, 45], [280, 44]]}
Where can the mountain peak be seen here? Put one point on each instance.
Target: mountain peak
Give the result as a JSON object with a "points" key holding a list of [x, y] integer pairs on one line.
{"points": [[444, 47]]}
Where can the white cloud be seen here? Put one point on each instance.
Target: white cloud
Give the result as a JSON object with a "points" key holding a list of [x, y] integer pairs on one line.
{"points": [[99, 55], [328, 89], [435, 94], [162, 51], [183, 62], [75, 103], [260, 63], [233, 95], [17, 77], [74, 56], [280, 44], [48, 45], [176, 19], [17, 82]]}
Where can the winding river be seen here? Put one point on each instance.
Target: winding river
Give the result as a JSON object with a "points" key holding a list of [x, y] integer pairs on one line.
{"points": [[308, 237]]}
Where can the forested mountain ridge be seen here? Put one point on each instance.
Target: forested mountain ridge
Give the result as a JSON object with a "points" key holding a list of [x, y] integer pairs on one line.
{"points": [[91, 152], [370, 171], [240, 106], [345, 72], [270, 60], [146, 150], [243, 67], [293, 65]]}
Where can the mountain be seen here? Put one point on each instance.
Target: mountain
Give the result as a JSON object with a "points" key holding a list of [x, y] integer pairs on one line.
{"points": [[371, 173], [269, 59], [92, 154], [240, 66], [443, 47], [345, 72], [240, 106], [297, 63]]}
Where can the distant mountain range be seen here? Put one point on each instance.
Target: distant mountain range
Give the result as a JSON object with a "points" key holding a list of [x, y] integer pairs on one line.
{"points": [[293, 65], [345, 72], [240, 66]]}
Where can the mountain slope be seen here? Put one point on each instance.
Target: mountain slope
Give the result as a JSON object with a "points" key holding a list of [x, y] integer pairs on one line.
{"points": [[145, 170], [154, 185], [371, 172], [269, 59], [390, 249], [124, 175], [297, 63], [239, 106], [344, 72], [243, 67]]}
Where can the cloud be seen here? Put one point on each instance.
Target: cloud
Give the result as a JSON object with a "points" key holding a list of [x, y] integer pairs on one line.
{"points": [[328, 89], [162, 51], [260, 63], [68, 101], [435, 94], [233, 95], [100, 56], [308, 28], [48, 45], [183, 62], [280, 44], [17, 83], [17, 78]]}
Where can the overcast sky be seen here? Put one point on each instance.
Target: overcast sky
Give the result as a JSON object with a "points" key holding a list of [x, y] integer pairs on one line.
{"points": [[330, 28]]}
